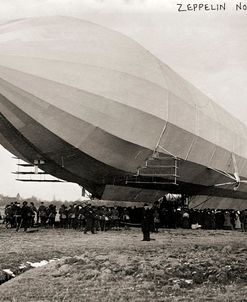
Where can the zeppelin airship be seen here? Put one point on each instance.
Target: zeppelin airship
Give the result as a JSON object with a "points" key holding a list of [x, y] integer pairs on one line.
{"points": [[89, 105]]}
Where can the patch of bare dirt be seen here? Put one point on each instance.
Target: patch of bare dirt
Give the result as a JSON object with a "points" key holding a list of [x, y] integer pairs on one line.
{"points": [[180, 265]]}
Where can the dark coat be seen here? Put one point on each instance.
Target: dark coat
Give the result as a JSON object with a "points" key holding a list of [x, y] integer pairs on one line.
{"points": [[25, 212], [147, 220]]}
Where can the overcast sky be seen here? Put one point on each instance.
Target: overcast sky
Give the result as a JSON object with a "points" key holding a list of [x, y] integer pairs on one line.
{"points": [[207, 48]]}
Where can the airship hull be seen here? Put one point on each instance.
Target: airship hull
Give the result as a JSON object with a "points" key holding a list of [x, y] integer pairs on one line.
{"points": [[104, 181]]}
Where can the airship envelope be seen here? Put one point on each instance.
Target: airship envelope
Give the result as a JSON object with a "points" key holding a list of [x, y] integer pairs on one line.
{"points": [[96, 108]]}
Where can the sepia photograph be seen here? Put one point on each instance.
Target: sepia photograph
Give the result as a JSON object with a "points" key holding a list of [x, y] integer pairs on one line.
{"points": [[123, 150]]}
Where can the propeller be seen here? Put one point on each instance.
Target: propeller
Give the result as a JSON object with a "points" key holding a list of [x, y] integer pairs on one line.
{"points": [[236, 181]]}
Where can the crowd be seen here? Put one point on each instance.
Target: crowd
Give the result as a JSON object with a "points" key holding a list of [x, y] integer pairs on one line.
{"points": [[174, 215], [88, 218], [208, 219], [82, 216]]}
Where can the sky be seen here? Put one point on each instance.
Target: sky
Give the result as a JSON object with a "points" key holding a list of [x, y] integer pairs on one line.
{"points": [[208, 48]]}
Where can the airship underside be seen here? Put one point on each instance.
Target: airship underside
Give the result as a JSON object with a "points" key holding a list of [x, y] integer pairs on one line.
{"points": [[98, 109]]}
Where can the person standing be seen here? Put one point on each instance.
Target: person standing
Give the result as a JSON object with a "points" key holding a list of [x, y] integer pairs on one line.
{"points": [[227, 221], [186, 220], [90, 218], [63, 216], [25, 217], [51, 213], [42, 214], [126, 218], [71, 216], [243, 219], [33, 211], [18, 216], [115, 218], [237, 221], [147, 222], [156, 220], [81, 217]]}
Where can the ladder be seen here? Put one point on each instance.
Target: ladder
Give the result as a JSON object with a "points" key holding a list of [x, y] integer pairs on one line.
{"points": [[158, 169]]}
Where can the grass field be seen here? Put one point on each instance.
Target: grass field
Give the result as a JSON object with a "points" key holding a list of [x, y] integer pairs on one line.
{"points": [[180, 265]]}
